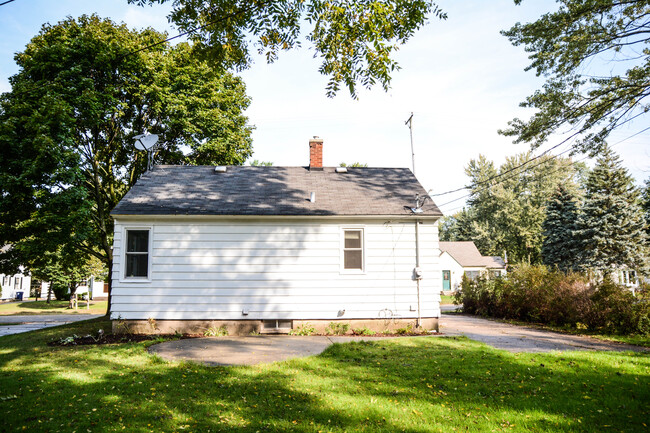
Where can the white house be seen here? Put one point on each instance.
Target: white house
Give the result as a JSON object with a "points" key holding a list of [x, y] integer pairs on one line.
{"points": [[463, 258], [12, 285], [274, 248]]}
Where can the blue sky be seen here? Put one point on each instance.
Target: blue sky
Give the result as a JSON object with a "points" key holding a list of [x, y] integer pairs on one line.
{"points": [[461, 79]]}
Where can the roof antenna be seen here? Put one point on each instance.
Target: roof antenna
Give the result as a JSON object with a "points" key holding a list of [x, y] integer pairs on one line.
{"points": [[409, 122], [146, 142], [418, 204]]}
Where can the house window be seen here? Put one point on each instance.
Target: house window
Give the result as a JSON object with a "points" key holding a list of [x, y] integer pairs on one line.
{"points": [[18, 283], [472, 275], [353, 250], [5, 281], [137, 254]]}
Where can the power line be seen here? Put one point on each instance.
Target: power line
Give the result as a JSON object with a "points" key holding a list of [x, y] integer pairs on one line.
{"points": [[221, 18], [155, 44], [547, 160]]}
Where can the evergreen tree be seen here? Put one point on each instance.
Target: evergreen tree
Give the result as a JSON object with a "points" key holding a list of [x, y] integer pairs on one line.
{"points": [[507, 206], [612, 226], [559, 247], [645, 204]]}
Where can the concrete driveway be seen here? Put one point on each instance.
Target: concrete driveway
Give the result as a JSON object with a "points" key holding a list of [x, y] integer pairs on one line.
{"points": [[263, 349], [516, 338], [32, 322]]}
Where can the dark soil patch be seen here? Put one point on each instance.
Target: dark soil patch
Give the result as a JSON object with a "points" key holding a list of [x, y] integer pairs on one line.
{"points": [[88, 340]]}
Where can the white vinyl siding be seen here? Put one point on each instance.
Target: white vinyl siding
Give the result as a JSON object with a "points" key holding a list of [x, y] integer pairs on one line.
{"points": [[202, 270]]}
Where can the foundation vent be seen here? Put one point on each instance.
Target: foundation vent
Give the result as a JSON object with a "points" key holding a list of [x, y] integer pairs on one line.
{"points": [[276, 326]]}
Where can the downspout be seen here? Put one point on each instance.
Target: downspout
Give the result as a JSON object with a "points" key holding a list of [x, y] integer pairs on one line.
{"points": [[417, 272]]}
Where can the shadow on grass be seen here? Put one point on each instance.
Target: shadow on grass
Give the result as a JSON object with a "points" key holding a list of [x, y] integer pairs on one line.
{"points": [[412, 385]]}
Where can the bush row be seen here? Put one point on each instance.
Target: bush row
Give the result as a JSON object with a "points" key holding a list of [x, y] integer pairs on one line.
{"points": [[541, 295]]}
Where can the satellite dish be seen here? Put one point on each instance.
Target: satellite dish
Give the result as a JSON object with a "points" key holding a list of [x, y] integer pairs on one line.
{"points": [[145, 141]]}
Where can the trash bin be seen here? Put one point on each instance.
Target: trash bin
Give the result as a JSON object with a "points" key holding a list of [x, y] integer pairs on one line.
{"points": [[19, 296]]}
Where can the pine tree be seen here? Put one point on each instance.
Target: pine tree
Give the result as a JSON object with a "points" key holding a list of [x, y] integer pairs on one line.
{"points": [[612, 225], [559, 247], [645, 204]]}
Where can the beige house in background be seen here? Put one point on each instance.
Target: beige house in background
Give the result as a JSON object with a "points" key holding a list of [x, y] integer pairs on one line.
{"points": [[463, 258]]}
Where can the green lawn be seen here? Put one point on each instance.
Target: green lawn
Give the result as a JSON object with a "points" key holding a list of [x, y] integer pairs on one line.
{"points": [[638, 340], [416, 384], [54, 307], [446, 299]]}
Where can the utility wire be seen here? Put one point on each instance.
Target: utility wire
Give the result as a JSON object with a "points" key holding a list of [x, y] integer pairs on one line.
{"points": [[195, 29], [547, 160], [155, 44]]}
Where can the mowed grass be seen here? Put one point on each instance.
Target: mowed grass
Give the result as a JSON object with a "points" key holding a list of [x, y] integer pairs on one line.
{"points": [[416, 384], [54, 307], [446, 299]]}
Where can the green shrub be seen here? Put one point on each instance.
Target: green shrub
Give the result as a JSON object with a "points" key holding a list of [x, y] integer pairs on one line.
{"points": [[213, 331], [538, 294], [363, 331], [337, 328], [305, 329], [408, 329]]}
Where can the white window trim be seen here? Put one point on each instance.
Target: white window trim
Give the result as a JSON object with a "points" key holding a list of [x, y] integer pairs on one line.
{"points": [[344, 271], [123, 277]]}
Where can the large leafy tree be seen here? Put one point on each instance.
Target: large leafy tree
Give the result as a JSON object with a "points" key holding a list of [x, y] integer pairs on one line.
{"points": [[506, 206], [560, 247], [596, 60], [84, 89], [355, 39], [611, 228]]}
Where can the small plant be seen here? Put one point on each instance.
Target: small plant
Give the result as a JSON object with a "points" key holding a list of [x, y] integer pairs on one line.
{"points": [[66, 341], [305, 329], [123, 326], [408, 329], [254, 332], [213, 331], [152, 324], [363, 331], [386, 331], [337, 328]]}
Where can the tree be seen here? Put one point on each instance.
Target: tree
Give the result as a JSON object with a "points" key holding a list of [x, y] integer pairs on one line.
{"points": [[354, 165], [560, 247], [611, 229], [457, 227], [594, 56], [506, 206], [257, 163], [66, 130], [355, 39], [645, 205]]}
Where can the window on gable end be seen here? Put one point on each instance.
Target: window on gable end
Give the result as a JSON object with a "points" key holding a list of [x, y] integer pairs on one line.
{"points": [[136, 254], [353, 249]]}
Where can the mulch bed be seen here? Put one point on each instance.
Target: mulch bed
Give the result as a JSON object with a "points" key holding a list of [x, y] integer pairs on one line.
{"points": [[89, 340]]}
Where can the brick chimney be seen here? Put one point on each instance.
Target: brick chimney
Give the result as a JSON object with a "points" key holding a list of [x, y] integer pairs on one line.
{"points": [[316, 153]]}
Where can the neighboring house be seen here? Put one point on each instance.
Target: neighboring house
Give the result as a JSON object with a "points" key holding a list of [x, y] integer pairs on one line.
{"points": [[97, 289], [271, 248], [463, 258], [13, 285]]}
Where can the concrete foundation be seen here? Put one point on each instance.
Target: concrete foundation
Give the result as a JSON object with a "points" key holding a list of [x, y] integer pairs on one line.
{"points": [[247, 327]]}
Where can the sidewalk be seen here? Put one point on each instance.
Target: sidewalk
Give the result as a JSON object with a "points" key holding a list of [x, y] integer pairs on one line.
{"points": [[32, 322]]}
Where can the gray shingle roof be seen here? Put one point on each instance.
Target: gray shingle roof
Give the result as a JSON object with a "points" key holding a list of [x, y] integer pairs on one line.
{"points": [[282, 191], [467, 255]]}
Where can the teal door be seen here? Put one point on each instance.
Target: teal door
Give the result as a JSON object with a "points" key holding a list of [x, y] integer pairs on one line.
{"points": [[446, 280]]}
